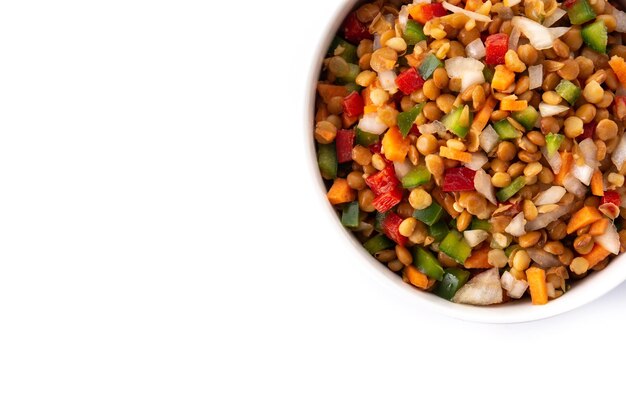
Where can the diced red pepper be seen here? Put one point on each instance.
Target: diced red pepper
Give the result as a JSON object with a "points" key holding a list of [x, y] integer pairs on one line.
{"points": [[391, 226], [409, 81], [354, 30], [344, 141], [611, 196], [568, 3], [386, 201], [512, 211], [383, 181], [496, 46], [376, 147], [425, 12], [353, 104], [588, 131], [458, 179], [414, 130], [620, 107]]}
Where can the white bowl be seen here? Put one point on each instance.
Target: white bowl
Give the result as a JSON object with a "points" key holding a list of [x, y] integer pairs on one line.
{"points": [[590, 288]]}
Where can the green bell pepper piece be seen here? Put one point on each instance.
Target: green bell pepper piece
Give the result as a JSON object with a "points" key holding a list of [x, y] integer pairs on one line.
{"points": [[353, 87], [350, 214], [348, 50], [429, 65], [416, 177], [414, 33], [438, 230], [478, 224], [527, 117], [509, 250], [350, 76], [407, 118], [553, 142], [379, 219], [568, 91], [430, 215], [366, 139], [455, 246], [327, 160], [378, 243], [488, 73], [426, 262], [595, 36], [506, 130], [580, 12], [511, 189], [452, 123], [453, 279]]}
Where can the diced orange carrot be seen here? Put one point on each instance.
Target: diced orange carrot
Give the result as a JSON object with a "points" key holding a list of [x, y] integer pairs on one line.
{"points": [[566, 166], [583, 217], [502, 78], [348, 121], [536, 278], [597, 185], [619, 68], [445, 200], [394, 145], [365, 94], [483, 116], [321, 113], [450, 153], [598, 228], [415, 277], [513, 105], [340, 192], [328, 91], [597, 255], [478, 259], [370, 108]]}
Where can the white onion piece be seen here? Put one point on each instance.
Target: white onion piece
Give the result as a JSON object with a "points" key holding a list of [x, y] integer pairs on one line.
{"points": [[514, 38], [574, 186], [552, 195], [433, 127], [516, 227], [376, 44], [558, 32], [403, 17], [388, 81], [370, 123], [590, 151], [548, 110], [472, 15], [554, 17], [535, 75], [483, 289], [479, 159], [619, 154], [469, 70], [475, 237], [620, 17], [545, 219], [583, 173], [483, 185], [519, 289], [609, 240], [364, 227], [539, 36], [402, 168], [550, 290], [543, 258], [489, 139], [476, 49], [507, 281], [554, 161]]}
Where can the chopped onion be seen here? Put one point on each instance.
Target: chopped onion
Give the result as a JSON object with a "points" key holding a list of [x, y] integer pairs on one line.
{"points": [[514, 38], [554, 161], [476, 49], [550, 290], [402, 168], [558, 32], [609, 240], [507, 280], [543, 258], [535, 75], [388, 81], [403, 16], [554, 17], [376, 44], [475, 237], [515, 288], [548, 110], [472, 15], [433, 127], [478, 160], [574, 186], [364, 227], [620, 17], [552, 195], [539, 36], [545, 219], [483, 289], [619, 154], [482, 184], [516, 227], [370, 123], [489, 139], [469, 70], [585, 171]]}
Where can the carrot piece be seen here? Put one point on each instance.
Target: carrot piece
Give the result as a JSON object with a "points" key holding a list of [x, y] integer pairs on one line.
{"points": [[536, 278], [566, 166], [328, 91], [445, 200], [348, 121], [370, 108], [619, 68], [478, 259], [365, 94], [597, 255], [482, 117], [513, 105], [340, 192], [395, 146], [502, 78], [450, 153], [415, 277], [321, 113], [583, 217], [597, 185], [598, 228]]}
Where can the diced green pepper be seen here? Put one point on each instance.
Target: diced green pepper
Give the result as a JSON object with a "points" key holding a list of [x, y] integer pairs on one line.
{"points": [[407, 118], [426, 262], [580, 12], [455, 246], [568, 91], [379, 219], [429, 65], [438, 230], [509, 250], [553, 142], [453, 123], [511, 189], [527, 117], [347, 51], [452, 225], [350, 214], [413, 33], [366, 138], [327, 160], [453, 279], [350, 76], [595, 36], [506, 130], [478, 224], [416, 177], [378, 243], [430, 215], [488, 73], [353, 87]]}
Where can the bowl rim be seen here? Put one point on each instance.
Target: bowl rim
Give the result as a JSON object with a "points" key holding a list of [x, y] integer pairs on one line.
{"points": [[587, 290]]}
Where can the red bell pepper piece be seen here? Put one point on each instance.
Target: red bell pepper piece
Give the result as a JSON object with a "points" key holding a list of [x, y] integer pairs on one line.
{"points": [[384, 202], [568, 3], [588, 131], [409, 81], [344, 141], [383, 181], [353, 104], [376, 147], [390, 228], [354, 30], [611, 196], [620, 107], [425, 12], [458, 179], [496, 46], [514, 209]]}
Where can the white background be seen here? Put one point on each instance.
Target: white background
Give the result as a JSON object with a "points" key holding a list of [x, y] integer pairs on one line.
{"points": [[162, 251]]}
